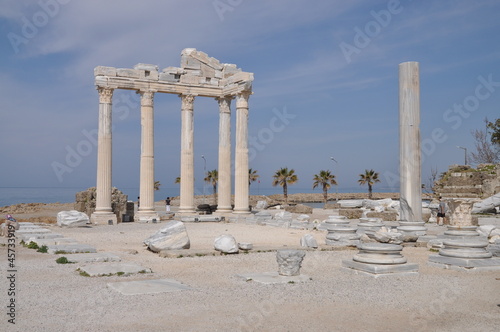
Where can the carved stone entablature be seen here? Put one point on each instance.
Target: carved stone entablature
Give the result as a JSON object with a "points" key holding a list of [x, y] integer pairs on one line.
{"points": [[199, 75]]}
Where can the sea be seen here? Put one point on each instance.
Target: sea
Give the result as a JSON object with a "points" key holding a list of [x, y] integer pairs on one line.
{"points": [[18, 195]]}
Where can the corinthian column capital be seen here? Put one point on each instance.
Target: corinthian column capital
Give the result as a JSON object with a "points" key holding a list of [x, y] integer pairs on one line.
{"points": [[105, 95], [187, 101], [242, 99], [224, 104], [147, 97]]}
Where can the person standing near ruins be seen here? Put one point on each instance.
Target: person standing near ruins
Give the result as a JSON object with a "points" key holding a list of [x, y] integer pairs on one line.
{"points": [[441, 215], [167, 204]]}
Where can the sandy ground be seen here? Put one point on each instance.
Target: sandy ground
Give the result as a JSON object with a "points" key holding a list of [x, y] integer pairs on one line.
{"points": [[54, 297]]}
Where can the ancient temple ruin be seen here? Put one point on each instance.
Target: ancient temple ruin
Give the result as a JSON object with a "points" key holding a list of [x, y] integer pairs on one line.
{"points": [[198, 76]]}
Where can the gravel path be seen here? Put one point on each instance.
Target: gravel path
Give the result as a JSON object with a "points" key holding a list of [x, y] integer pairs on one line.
{"points": [[54, 297]]}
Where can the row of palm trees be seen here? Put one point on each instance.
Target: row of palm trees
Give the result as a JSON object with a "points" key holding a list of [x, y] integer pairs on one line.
{"points": [[324, 179], [284, 177]]}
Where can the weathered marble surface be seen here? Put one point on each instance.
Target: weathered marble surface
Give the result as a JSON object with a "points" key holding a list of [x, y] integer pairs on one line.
{"points": [[226, 244], [289, 261], [172, 236], [72, 218]]}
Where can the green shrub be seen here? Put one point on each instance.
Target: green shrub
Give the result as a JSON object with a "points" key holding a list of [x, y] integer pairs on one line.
{"points": [[43, 249], [33, 245], [62, 260]]}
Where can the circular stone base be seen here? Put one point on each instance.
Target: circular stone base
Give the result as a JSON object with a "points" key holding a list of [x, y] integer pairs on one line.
{"points": [[461, 233], [342, 229], [465, 253], [379, 253], [461, 228], [373, 258], [411, 223]]}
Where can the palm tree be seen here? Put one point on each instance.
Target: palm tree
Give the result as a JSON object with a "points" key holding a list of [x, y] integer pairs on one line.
{"points": [[324, 179], [252, 176], [284, 177], [212, 178], [370, 177]]}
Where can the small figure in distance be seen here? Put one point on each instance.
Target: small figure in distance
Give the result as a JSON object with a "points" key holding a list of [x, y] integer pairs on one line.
{"points": [[167, 204], [441, 215]]}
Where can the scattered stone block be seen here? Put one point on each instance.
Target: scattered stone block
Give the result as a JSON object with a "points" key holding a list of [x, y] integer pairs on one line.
{"points": [[261, 205], [308, 241], [351, 203], [485, 230], [93, 257], [226, 244], [245, 246], [106, 269], [31, 236], [55, 241], [70, 249], [172, 236], [299, 208], [351, 213], [72, 218], [139, 287], [273, 278]]}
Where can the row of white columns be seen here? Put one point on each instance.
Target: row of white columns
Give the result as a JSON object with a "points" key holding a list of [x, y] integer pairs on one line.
{"points": [[103, 212]]}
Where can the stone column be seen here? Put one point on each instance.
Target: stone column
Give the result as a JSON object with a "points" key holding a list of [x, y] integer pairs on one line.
{"points": [[147, 178], [224, 181], [103, 212], [409, 142], [241, 186], [187, 156]]}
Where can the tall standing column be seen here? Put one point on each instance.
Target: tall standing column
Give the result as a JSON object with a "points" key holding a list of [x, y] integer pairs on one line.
{"points": [[146, 187], [103, 212], [187, 155], [409, 142], [224, 180], [241, 201]]}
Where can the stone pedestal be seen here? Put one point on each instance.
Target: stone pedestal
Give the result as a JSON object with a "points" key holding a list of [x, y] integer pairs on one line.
{"points": [[465, 254], [342, 236], [380, 259], [289, 261], [468, 231], [460, 211]]}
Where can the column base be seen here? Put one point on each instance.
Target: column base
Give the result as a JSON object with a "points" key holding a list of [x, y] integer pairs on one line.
{"points": [[224, 209], [146, 216], [100, 218], [241, 211], [186, 210]]}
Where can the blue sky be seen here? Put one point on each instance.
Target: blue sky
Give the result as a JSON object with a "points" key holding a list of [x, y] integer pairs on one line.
{"points": [[325, 71]]}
